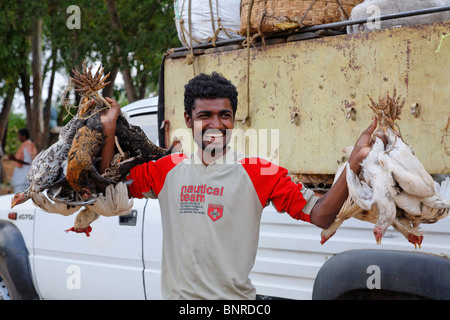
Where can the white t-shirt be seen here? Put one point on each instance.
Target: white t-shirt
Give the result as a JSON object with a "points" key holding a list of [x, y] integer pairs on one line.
{"points": [[211, 218]]}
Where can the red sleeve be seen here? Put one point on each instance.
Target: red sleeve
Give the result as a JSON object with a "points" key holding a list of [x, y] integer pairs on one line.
{"points": [[152, 175], [272, 183]]}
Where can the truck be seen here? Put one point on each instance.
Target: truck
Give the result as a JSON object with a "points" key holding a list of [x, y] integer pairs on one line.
{"points": [[304, 97]]}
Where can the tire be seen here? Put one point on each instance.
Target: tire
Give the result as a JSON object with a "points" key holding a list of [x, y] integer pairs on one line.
{"points": [[4, 292], [397, 275], [7, 290], [15, 273]]}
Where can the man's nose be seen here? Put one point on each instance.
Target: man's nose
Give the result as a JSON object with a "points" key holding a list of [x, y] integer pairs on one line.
{"points": [[215, 122]]}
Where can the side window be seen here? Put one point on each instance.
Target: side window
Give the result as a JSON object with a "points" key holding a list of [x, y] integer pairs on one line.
{"points": [[148, 123]]}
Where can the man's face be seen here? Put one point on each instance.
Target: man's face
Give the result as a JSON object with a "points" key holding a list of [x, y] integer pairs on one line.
{"points": [[21, 138], [212, 122]]}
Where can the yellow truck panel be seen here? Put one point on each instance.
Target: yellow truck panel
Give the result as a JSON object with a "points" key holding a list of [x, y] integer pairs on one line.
{"points": [[310, 100]]}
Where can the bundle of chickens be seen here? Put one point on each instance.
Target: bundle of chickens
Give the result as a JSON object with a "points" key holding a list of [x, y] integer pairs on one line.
{"points": [[393, 188], [64, 178]]}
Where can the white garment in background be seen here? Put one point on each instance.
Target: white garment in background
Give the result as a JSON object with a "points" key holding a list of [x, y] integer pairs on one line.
{"points": [[19, 179]]}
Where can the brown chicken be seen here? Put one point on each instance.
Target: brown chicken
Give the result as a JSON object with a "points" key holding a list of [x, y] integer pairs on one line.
{"points": [[88, 140], [80, 161]]}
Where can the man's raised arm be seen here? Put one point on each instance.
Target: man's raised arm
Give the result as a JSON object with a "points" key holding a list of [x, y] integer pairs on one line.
{"points": [[108, 120], [327, 207]]}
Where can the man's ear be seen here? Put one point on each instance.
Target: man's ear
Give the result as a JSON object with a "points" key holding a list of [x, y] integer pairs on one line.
{"points": [[188, 120]]}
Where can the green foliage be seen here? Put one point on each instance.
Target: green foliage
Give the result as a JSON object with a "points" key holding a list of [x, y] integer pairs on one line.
{"points": [[16, 121], [147, 30]]}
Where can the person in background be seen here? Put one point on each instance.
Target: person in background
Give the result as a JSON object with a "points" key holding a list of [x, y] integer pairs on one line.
{"points": [[23, 158]]}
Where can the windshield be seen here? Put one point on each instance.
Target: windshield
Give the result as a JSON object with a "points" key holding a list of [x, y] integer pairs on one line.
{"points": [[148, 123]]}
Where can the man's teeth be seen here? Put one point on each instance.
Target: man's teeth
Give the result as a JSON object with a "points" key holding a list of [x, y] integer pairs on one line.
{"points": [[213, 136]]}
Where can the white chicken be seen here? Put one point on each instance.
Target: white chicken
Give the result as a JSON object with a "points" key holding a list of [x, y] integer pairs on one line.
{"points": [[393, 188], [83, 221], [115, 202], [47, 168]]}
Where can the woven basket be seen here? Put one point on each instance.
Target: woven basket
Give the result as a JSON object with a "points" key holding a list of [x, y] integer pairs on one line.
{"points": [[276, 15]]}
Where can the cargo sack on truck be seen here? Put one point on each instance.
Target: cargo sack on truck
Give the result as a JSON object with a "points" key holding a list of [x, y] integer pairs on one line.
{"points": [[268, 16], [203, 21]]}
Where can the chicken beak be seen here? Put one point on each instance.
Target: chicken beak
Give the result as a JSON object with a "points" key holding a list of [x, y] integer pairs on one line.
{"points": [[14, 202]]}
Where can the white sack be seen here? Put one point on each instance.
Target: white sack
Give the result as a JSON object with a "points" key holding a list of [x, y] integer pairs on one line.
{"points": [[372, 8], [202, 29]]}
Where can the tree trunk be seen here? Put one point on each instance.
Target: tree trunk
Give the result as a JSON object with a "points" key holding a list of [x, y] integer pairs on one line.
{"points": [[143, 86], [115, 22], [129, 86], [48, 103], [109, 89], [4, 114], [34, 112]]}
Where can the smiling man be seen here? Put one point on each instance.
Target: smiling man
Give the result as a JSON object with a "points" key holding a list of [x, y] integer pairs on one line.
{"points": [[211, 201], [212, 122]]}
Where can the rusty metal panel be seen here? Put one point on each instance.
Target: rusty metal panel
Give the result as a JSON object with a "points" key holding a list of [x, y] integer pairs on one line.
{"points": [[314, 93]]}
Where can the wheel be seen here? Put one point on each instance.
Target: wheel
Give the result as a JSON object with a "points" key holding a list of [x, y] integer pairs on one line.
{"points": [[8, 290], [4, 292]]}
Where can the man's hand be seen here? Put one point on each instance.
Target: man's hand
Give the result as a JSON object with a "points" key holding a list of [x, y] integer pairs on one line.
{"points": [[108, 120], [325, 210], [362, 147]]}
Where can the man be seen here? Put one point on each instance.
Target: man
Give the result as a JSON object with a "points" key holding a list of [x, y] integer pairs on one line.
{"points": [[23, 158], [211, 201]]}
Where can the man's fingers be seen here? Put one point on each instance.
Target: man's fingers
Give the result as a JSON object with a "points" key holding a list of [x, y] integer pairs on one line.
{"points": [[372, 126], [112, 102]]}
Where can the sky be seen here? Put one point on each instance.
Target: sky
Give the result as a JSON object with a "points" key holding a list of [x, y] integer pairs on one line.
{"points": [[61, 82]]}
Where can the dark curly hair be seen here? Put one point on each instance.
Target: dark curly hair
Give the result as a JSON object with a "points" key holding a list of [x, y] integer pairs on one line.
{"points": [[211, 86], [24, 132]]}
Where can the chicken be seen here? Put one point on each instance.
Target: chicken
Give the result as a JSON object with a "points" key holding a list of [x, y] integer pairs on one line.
{"points": [[405, 168], [64, 178], [370, 193], [83, 220], [411, 232], [80, 161], [42, 201], [115, 202], [88, 140], [82, 173], [133, 139], [393, 188], [46, 168]]}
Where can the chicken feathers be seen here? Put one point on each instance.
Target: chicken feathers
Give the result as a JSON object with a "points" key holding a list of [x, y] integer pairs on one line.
{"points": [[85, 147], [64, 177], [393, 188]]}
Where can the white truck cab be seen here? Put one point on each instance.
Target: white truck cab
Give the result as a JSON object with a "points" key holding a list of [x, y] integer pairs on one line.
{"points": [[121, 259]]}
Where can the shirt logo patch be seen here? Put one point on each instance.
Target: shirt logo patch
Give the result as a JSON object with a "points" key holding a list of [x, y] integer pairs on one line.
{"points": [[215, 212]]}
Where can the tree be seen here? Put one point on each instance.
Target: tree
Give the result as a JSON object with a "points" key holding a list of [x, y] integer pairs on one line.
{"points": [[152, 22], [35, 43], [12, 46]]}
